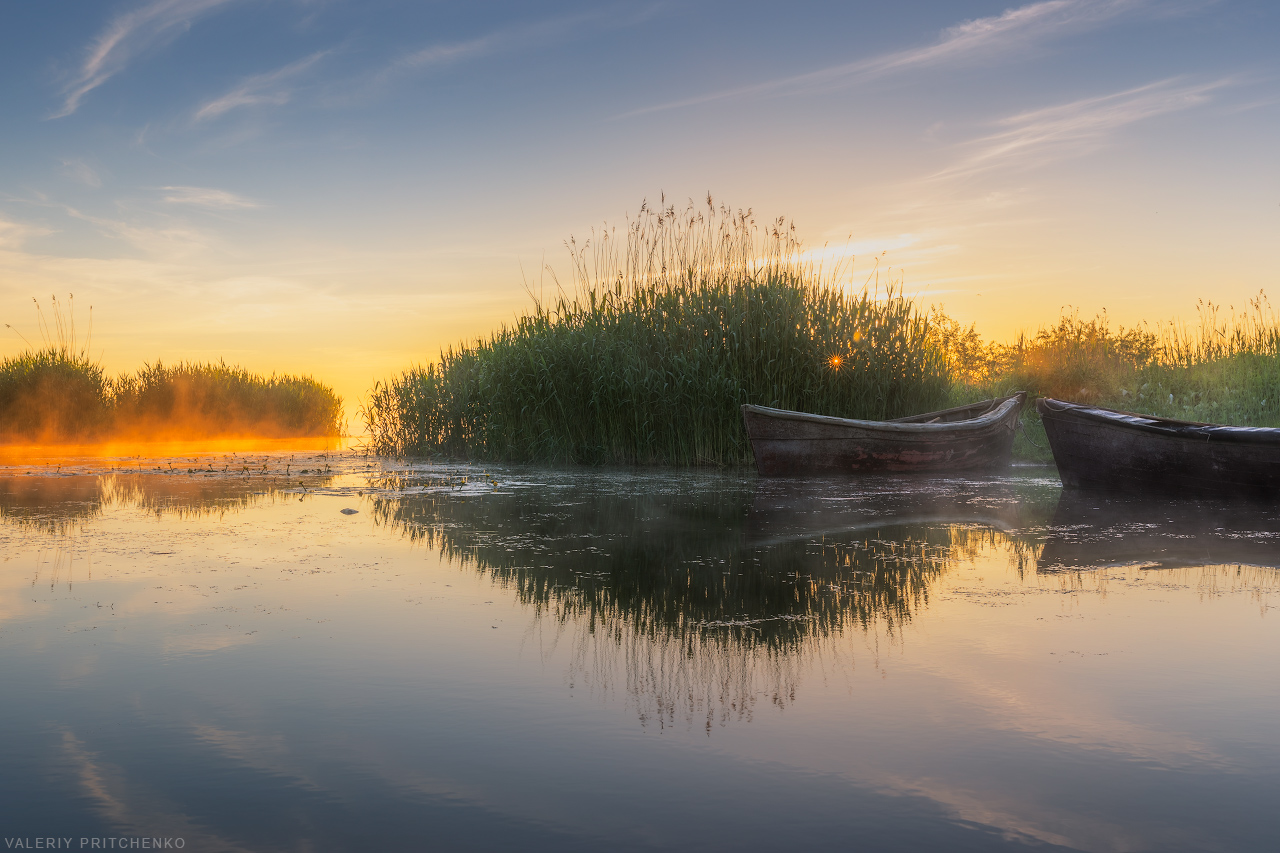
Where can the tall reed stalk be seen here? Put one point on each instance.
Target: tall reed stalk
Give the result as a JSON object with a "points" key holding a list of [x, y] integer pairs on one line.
{"points": [[663, 334]]}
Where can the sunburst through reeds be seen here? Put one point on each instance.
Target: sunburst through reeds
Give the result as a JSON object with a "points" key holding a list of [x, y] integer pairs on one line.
{"points": [[665, 331]]}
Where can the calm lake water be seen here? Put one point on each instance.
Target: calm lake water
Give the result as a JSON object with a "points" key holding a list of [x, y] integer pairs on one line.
{"points": [[532, 659]]}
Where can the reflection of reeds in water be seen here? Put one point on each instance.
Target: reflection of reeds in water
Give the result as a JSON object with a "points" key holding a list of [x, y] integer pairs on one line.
{"points": [[62, 562], [670, 676], [663, 595], [57, 506], [717, 670], [186, 498], [1208, 581], [969, 542], [676, 564], [50, 505]]}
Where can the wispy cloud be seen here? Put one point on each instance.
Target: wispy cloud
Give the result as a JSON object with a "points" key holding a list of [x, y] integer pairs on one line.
{"points": [[207, 197], [124, 38], [1256, 104], [979, 39], [1031, 138], [272, 88], [170, 240], [443, 54], [159, 235], [14, 234], [533, 34], [79, 170]]}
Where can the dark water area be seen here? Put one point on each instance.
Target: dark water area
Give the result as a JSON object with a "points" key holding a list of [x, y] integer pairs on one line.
{"points": [[534, 659]]}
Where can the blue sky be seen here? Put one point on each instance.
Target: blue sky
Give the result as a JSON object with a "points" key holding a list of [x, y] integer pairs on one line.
{"points": [[341, 188]]}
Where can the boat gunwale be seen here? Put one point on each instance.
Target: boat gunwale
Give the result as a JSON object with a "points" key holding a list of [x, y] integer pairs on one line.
{"points": [[1000, 411], [1155, 425]]}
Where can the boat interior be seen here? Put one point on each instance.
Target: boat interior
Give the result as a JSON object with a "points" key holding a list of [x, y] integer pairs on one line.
{"points": [[959, 413]]}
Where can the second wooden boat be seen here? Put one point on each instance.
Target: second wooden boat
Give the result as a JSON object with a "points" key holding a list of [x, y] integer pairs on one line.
{"points": [[967, 438], [1104, 449]]}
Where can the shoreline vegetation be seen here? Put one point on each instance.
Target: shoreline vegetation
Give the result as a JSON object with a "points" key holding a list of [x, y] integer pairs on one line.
{"points": [[1224, 370], [57, 394], [645, 357], [665, 331], [53, 396]]}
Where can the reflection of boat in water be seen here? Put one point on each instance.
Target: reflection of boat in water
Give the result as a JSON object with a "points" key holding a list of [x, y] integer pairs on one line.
{"points": [[1099, 448], [1090, 531], [812, 508], [967, 438]]}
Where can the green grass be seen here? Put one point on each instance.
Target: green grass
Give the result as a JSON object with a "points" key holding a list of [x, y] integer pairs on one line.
{"points": [[665, 332], [52, 394], [192, 399], [1224, 370], [663, 335], [58, 395]]}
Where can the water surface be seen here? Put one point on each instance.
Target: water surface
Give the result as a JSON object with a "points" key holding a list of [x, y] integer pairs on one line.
{"points": [[502, 658]]}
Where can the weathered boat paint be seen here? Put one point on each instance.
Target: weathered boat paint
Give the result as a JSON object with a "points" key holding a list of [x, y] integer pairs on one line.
{"points": [[1104, 449], [967, 438]]}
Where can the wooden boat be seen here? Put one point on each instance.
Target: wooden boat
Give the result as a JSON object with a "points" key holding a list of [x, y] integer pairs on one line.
{"points": [[1099, 448], [967, 438]]}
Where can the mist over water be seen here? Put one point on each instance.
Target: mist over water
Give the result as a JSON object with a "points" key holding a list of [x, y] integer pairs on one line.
{"points": [[550, 659]]}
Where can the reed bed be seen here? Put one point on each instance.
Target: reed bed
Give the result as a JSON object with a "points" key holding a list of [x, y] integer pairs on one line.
{"points": [[1224, 369], [57, 393], [662, 335], [207, 399], [52, 392], [52, 396]]}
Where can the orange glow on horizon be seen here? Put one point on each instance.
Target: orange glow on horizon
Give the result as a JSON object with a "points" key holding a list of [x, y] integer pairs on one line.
{"points": [[50, 454]]}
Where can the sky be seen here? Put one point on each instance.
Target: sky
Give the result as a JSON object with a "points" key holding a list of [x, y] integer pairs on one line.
{"points": [[341, 188]]}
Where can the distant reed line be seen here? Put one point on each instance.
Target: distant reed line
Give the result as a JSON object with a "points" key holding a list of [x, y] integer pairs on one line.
{"points": [[58, 393]]}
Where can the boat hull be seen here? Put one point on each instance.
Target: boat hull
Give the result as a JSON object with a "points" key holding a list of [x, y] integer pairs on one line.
{"points": [[1101, 449], [788, 444]]}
